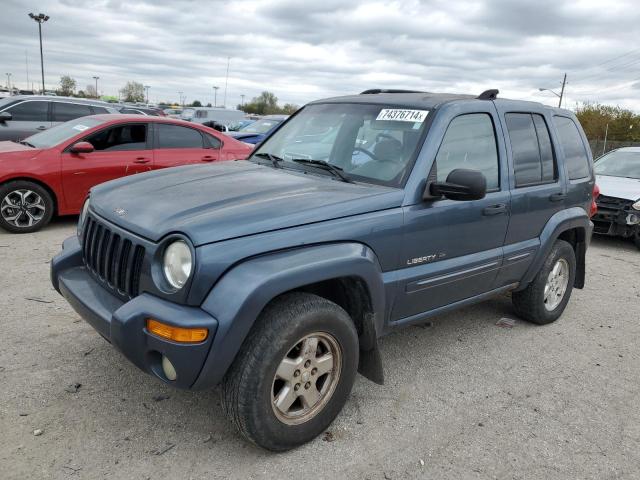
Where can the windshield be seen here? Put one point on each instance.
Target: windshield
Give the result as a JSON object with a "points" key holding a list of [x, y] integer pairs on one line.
{"points": [[619, 164], [60, 133], [261, 126], [370, 143]]}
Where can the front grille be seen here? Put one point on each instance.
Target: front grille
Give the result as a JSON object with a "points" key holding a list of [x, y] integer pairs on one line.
{"points": [[612, 203], [115, 260]]}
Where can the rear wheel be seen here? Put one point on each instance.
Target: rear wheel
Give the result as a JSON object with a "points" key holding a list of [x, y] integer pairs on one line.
{"points": [[25, 206], [294, 372], [546, 297]]}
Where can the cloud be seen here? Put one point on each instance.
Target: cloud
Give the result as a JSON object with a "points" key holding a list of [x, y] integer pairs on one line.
{"points": [[302, 51]]}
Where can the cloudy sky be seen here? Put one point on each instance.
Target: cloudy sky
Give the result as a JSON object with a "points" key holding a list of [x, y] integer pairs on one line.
{"points": [[304, 50]]}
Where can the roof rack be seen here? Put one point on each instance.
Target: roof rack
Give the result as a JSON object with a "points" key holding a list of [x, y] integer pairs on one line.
{"points": [[489, 94], [374, 91]]}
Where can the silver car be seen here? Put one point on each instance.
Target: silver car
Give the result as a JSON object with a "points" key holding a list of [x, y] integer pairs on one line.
{"points": [[23, 115], [618, 177]]}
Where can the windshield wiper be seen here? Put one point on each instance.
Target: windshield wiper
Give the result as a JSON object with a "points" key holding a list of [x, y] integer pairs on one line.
{"points": [[269, 156], [22, 142], [337, 171]]}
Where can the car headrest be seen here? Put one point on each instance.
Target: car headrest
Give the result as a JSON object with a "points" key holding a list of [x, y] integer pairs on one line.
{"points": [[388, 150]]}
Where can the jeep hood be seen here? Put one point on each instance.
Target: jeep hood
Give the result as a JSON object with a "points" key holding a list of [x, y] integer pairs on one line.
{"points": [[210, 203], [619, 187]]}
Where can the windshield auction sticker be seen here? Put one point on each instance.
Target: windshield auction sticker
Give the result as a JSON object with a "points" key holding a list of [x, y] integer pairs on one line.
{"points": [[82, 128], [401, 115]]}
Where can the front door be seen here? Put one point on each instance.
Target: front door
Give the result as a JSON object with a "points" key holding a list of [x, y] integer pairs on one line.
{"points": [[119, 150], [28, 118], [452, 250]]}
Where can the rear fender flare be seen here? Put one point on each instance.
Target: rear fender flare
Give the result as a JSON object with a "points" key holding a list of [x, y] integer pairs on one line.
{"points": [[240, 295]]}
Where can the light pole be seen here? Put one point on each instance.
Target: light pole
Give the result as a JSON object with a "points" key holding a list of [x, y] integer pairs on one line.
{"points": [[559, 95], [242, 100], [96, 78], [181, 99], [40, 19], [215, 96], [147, 87], [9, 83]]}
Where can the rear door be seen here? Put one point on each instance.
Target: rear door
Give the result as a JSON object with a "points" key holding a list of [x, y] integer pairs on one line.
{"points": [[452, 250], [536, 183], [28, 117], [65, 111], [181, 145], [120, 150]]}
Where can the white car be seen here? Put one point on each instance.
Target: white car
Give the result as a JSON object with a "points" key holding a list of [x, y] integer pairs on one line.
{"points": [[618, 176]]}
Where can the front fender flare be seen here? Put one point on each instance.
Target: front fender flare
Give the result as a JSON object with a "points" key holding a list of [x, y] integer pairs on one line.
{"points": [[241, 294]]}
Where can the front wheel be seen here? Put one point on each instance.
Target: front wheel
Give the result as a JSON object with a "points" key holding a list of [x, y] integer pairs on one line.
{"points": [[546, 297], [294, 372], [25, 207]]}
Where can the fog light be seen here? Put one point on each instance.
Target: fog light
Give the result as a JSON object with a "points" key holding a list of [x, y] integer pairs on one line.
{"points": [[177, 334], [168, 369], [633, 219]]}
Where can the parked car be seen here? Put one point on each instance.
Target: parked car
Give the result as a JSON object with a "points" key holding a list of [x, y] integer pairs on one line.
{"points": [[22, 116], [235, 126], [618, 176], [173, 112], [275, 277], [257, 131], [51, 172], [136, 110], [222, 116]]}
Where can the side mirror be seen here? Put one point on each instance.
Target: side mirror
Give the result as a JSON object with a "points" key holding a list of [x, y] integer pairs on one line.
{"points": [[5, 117], [82, 147], [461, 184]]}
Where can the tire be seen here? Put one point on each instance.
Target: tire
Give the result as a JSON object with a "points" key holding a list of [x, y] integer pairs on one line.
{"points": [[530, 303], [21, 219], [251, 384]]}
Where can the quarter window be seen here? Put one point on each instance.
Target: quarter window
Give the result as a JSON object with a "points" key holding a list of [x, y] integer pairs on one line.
{"points": [[63, 112], [29, 112], [470, 142], [531, 149], [174, 136], [575, 154]]}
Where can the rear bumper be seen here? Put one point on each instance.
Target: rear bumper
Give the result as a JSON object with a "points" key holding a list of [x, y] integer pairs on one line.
{"points": [[123, 324]]}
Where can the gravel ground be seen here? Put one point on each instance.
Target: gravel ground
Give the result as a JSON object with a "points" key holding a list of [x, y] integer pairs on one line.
{"points": [[464, 398]]}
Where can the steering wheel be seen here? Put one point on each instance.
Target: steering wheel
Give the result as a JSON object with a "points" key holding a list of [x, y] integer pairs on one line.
{"points": [[366, 152]]}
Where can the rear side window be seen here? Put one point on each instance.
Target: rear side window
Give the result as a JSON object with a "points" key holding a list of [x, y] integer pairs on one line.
{"points": [[174, 136], [213, 141], [30, 111], [63, 112], [470, 142], [99, 110], [575, 154], [531, 149]]}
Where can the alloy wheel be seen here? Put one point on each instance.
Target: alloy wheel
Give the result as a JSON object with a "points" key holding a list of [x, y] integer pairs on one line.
{"points": [[556, 286], [22, 208]]}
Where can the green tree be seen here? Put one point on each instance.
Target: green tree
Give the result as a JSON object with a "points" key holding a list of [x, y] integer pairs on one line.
{"points": [[618, 123], [196, 103], [264, 104], [132, 92], [67, 86], [290, 108], [91, 91]]}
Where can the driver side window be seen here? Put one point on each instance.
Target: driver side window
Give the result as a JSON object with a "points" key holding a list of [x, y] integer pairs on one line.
{"points": [[470, 142], [120, 138]]}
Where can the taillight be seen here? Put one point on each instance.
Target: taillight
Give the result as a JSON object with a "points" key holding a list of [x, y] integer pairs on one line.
{"points": [[594, 205]]}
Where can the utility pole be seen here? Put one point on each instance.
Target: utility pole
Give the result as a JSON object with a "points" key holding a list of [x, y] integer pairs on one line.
{"points": [[9, 83], [40, 19], [226, 81], [606, 132], [147, 87], [26, 60], [181, 99], [215, 96], [242, 98], [96, 78], [564, 82]]}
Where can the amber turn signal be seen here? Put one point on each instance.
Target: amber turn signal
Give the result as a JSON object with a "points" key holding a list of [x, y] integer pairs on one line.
{"points": [[177, 334]]}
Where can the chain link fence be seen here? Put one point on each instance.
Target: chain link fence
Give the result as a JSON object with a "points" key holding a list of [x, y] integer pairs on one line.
{"points": [[598, 147]]}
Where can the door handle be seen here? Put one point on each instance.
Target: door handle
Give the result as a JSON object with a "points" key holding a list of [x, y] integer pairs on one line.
{"points": [[141, 160], [494, 209], [208, 158], [557, 197], [41, 127]]}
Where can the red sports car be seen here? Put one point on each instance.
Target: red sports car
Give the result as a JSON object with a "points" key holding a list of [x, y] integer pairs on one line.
{"points": [[50, 173]]}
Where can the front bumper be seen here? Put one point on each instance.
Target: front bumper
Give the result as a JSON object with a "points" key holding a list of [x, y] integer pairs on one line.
{"points": [[123, 324]]}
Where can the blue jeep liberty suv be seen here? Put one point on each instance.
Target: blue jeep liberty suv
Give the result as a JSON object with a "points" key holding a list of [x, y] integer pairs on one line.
{"points": [[276, 276]]}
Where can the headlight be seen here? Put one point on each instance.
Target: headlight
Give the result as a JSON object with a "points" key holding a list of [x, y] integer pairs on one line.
{"points": [[178, 263], [636, 205], [83, 216]]}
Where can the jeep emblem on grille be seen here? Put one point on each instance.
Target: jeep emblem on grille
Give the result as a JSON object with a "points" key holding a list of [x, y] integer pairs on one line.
{"points": [[121, 212]]}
